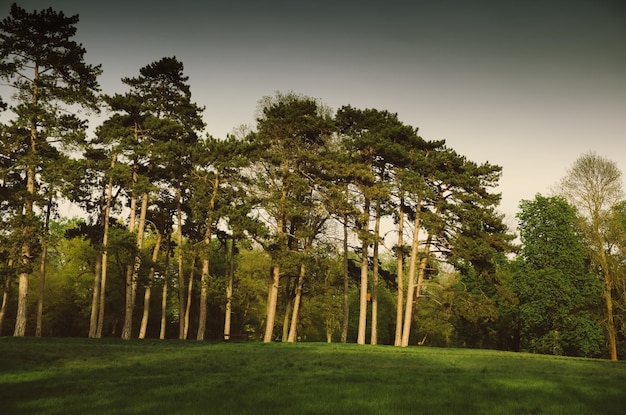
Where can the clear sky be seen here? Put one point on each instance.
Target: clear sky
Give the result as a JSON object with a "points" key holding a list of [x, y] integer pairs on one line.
{"points": [[527, 85]]}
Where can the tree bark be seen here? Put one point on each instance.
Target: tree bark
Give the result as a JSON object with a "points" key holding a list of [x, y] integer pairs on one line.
{"points": [[420, 275], [42, 267], [400, 272], [288, 299], [5, 298], [271, 304], [410, 296], [374, 334], [272, 296], [181, 276], [131, 283], [204, 279], [346, 284], [99, 323], [229, 291], [189, 296], [204, 297], [364, 271], [166, 266], [296, 306], [22, 297], [608, 301], [95, 298], [148, 291]]}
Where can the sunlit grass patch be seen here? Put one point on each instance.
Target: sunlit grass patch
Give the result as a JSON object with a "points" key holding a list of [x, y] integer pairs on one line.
{"points": [[65, 376]]}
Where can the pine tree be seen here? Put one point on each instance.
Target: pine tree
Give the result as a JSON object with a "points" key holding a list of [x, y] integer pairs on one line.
{"points": [[39, 59]]}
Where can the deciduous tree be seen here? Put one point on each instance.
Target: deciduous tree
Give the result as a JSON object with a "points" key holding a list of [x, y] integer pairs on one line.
{"points": [[594, 185]]}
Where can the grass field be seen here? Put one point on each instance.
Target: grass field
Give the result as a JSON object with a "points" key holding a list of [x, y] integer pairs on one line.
{"points": [[82, 376]]}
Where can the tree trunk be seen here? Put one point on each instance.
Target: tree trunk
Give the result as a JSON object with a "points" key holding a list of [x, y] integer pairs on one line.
{"points": [[95, 298], [189, 295], [346, 284], [272, 299], [5, 298], [400, 278], [29, 232], [364, 272], [229, 291], [181, 276], [42, 267], [420, 275], [272, 296], [289, 296], [131, 283], [374, 334], [608, 301], [22, 296], [612, 333], [105, 254], [204, 298], [286, 316], [204, 279], [148, 291], [410, 296], [296, 306], [166, 267]]}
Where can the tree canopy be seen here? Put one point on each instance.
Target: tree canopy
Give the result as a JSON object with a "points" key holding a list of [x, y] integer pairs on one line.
{"points": [[313, 224]]}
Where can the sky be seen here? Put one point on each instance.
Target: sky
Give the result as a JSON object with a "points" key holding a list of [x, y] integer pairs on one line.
{"points": [[526, 85]]}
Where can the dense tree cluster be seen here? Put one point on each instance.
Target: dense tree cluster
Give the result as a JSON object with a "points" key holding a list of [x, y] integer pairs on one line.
{"points": [[311, 225]]}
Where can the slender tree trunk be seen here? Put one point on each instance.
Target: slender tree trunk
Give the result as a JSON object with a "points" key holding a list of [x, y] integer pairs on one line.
{"points": [[400, 272], [29, 232], [346, 284], [204, 297], [181, 276], [288, 299], [22, 298], [204, 279], [296, 306], [608, 301], [421, 273], [166, 267], [42, 267], [229, 291], [189, 295], [95, 298], [271, 303], [286, 316], [612, 333], [105, 255], [374, 334], [133, 276], [148, 292], [410, 296], [272, 297], [364, 276], [5, 297]]}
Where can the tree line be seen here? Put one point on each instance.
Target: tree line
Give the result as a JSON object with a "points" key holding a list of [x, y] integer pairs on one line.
{"points": [[279, 231]]}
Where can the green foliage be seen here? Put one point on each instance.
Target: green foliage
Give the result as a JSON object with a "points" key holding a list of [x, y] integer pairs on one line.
{"points": [[282, 186], [558, 293]]}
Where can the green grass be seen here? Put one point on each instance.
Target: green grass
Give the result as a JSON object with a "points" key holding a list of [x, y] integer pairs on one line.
{"points": [[82, 376]]}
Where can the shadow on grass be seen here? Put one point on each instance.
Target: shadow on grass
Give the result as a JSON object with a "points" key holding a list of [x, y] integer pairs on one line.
{"points": [[79, 376]]}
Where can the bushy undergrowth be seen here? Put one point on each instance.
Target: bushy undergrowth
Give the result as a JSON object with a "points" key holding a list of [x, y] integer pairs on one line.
{"points": [[81, 376]]}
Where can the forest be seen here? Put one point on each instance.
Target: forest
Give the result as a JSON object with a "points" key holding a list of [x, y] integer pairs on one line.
{"points": [[312, 225]]}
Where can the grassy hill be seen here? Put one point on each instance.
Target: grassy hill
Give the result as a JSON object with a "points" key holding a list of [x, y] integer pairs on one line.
{"points": [[82, 376]]}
